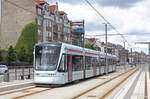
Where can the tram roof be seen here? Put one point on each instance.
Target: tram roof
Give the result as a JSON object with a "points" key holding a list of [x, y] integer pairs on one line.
{"points": [[48, 43]]}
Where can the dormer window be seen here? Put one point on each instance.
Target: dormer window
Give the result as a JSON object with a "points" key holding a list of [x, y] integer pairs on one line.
{"points": [[39, 22], [42, 3]]}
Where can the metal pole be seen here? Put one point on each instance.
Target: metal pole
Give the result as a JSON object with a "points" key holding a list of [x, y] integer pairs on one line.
{"points": [[15, 73], [83, 35], [124, 45], [0, 20], [131, 57], [125, 55], [52, 32], [149, 57], [106, 67]]}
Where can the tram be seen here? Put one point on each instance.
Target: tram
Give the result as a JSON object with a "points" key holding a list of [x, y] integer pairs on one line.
{"points": [[61, 63]]}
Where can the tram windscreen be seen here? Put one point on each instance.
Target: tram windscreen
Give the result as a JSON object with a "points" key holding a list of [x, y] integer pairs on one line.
{"points": [[46, 57]]}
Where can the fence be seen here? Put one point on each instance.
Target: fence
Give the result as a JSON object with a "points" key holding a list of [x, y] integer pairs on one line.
{"points": [[18, 73]]}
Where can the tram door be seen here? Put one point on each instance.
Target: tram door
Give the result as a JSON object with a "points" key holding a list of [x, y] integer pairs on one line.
{"points": [[94, 66], [69, 59]]}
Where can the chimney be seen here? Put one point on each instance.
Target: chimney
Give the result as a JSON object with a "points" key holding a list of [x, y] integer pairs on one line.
{"points": [[56, 6]]}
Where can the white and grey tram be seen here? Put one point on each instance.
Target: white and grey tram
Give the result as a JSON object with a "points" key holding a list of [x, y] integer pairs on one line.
{"points": [[60, 63]]}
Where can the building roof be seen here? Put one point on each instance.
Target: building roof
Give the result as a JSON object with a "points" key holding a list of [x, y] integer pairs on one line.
{"points": [[40, 3], [62, 13], [91, 40], [52, 8]]}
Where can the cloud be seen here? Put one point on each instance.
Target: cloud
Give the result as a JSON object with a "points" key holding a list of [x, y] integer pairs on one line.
{"points": [[118, 3], [72, 2]]}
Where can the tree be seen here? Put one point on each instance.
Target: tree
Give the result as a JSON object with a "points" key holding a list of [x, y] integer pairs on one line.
{"points": [[1, 57], [22, 55], [11, 55], [89, 46], [27, 39]]}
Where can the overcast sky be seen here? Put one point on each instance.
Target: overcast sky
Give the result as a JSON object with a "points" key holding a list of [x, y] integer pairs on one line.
{"points": [[127, 16]]}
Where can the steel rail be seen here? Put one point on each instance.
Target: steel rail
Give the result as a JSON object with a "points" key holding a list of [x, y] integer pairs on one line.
{"points": [[101, 84], [32, 93], [117, 85]]}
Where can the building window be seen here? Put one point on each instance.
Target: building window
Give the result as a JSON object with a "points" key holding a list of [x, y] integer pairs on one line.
{"points": [[39, 11], [50, 34], [65, 30], [65, 38], [39, 21], [47, 34], [58, 27], [57, 19], [77, 63], [50, 23], [47, 23], [68, 30], [39, 32], [61, 20]]}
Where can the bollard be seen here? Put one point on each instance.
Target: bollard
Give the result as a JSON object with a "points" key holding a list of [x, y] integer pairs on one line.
{"points": [[6, 77], [15, 73], [29, 76], [22, 77]]}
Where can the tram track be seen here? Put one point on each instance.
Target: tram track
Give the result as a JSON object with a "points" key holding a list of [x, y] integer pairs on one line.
{"points": [[32, 93], [17, 90], [24, 92], [107, 92]]}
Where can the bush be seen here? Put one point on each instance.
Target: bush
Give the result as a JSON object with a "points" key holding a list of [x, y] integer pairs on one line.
{"points": [[11, 55], [26, 42], [22, 55], [1, 57], [89, 46]]}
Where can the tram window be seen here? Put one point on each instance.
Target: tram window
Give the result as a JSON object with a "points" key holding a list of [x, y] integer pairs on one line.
{"points": [[46, 58], [108, 61], [88, 62], [62, 66], [93, 61], [103, 62], [77, 62], [97, 62]]}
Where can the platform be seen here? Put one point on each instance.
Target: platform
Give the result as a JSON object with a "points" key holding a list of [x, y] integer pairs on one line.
{"points": [[136, 87], [5, 86]]}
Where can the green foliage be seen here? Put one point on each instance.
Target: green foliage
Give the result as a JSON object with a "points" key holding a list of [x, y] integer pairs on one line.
{"points": [[11, 55], [26, 42], [22, 55], [89, 46], [1, 57]]}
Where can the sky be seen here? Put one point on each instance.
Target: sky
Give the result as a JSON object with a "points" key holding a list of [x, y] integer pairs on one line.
{"points": [[129, 17]]}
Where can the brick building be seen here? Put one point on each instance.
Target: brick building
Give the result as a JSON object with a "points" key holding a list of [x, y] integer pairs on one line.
{"points": [[53, 25], [14, 18], [138, 57]]}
